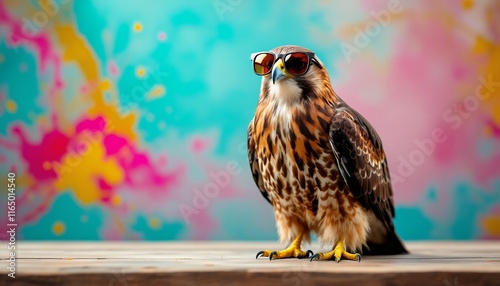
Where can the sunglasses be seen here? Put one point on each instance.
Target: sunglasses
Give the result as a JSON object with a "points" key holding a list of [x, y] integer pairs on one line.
{"points": [[296, 63]]}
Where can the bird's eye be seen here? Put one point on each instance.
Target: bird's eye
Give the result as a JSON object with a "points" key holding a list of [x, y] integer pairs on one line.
{"points": [[296, 63], [263, 63]]}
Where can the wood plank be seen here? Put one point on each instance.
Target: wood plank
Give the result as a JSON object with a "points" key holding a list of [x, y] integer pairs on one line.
{"points": [[234, 263]]}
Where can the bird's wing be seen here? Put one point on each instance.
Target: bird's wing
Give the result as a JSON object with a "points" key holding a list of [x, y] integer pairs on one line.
{"points": [[254, 166], [362, 163]]}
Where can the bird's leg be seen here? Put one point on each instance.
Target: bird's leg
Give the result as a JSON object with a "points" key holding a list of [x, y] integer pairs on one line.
{"points": [[292, 251], [337, 254]]}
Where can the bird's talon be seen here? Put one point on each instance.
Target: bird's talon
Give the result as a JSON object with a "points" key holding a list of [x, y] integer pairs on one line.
{"points": [[309, 253], [272, 254], [259, 254], [314, 257], [359, 257]]}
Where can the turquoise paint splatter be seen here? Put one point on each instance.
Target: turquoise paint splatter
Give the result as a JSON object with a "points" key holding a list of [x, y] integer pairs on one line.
{"points": [[13, 85], [167, 230], [412, 224], [470, 204], [82, 223]]}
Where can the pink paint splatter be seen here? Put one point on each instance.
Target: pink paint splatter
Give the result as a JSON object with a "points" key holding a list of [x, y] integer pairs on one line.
{"points": [[199, 145], [494, 128], [107, 191], [140, 173], [40, 41], [162, 36], [417, 84], [51, 148], [97, 124], [202, 225], [112, 68]]}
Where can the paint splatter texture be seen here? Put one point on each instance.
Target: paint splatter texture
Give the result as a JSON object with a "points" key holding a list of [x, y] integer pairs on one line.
{"points": [[127, 120]]}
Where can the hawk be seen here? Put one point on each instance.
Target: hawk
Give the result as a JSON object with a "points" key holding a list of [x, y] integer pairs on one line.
{"points": [[318, 162]]}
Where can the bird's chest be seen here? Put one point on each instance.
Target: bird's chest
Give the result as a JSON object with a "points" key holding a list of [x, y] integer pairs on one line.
{"points": [[293, 156]]}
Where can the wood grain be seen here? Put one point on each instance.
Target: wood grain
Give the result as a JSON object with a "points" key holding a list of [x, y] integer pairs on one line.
{"points": [[234, 263]]}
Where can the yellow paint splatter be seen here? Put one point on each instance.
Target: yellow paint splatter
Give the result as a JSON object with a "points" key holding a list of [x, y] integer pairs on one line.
{"points": [[105, 85], [42, 121], [27, 180], [58, 228], [157, 91], [77, 50], [46, 165], [116, 200], [154, 223], [492, 225], [88, 165], [496, 114], [137, 27], [467, 4], [140, 72], [11, 106], [491, 70], [481, 45]]}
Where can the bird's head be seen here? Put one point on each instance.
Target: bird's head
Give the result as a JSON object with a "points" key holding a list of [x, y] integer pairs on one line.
{"points": [[290, 74]]}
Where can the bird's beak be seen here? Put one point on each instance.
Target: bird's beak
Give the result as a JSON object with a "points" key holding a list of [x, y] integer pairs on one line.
{"points": [[279, 71]]}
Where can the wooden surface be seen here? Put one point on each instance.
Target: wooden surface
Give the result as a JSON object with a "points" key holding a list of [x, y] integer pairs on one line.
{"points": [[234, 263]]}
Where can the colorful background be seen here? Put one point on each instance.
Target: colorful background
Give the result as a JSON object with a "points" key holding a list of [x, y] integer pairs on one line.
{"points": [[127, 120]]}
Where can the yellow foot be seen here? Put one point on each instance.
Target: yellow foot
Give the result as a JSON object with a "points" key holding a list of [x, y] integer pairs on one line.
{"points": [[290, 252], [337, 254]]}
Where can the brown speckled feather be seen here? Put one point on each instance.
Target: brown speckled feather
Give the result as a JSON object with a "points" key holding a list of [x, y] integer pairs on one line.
{"points": [[254, 167], [362, 163]]}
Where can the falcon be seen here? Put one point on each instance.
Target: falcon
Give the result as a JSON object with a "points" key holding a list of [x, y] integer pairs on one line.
{"points": [[318, 162]]}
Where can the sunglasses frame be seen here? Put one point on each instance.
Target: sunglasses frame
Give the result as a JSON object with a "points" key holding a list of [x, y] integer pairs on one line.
{"points": [[311, 57]]}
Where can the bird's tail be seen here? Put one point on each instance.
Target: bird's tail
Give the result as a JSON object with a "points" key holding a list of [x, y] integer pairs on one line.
{"points": [[391, 245]]}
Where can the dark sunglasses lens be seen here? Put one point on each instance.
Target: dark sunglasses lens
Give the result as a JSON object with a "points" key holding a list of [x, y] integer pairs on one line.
{"points": [[263, 63], [296, 63]]}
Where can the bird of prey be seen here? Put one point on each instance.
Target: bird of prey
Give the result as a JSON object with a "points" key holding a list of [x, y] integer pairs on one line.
{"points": [[318, 162]]}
